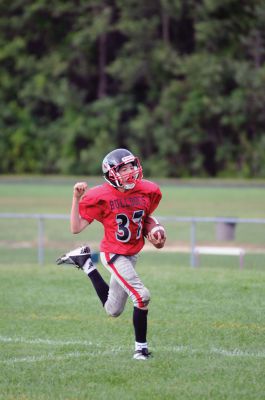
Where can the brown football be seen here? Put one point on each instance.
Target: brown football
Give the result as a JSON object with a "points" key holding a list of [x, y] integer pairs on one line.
{"points": [[153, 226]]}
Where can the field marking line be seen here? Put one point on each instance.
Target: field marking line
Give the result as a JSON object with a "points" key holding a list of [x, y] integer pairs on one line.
{"points": [[111, 351], [54, 357], [238, 353], [215, 350], [5, 339]]}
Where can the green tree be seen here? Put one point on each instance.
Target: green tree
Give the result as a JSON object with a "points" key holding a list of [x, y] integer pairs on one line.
{"points": [[180, 82]]}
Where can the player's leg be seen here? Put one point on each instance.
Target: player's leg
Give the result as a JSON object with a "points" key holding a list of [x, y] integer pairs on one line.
{"points": [[117, 298], [123, 271], [140, 329], [100, 286], [81, 259]]}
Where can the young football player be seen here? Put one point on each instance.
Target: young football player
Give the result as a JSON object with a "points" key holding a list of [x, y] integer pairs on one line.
{"points": [[121, 205]]}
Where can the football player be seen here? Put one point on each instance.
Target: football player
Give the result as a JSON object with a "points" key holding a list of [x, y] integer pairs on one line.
{"points": [[121, 204]]}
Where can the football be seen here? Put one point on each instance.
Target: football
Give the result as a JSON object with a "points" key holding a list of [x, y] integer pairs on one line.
{"points": [[153, 227]]}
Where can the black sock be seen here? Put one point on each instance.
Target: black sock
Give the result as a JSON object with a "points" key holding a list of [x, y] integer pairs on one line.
{"points": [[140, 324], [101, 287]]}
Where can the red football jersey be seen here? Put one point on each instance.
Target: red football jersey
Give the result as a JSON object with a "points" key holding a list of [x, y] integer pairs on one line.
{"points": [[122, 214]]}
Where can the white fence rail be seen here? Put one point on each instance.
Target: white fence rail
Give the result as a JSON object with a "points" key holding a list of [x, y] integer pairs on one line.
{"points": [[192, 220]]}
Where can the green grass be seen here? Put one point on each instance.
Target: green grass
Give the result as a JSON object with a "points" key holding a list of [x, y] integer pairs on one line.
{"points": [[54, 195], [206, 331], [206, 325]]}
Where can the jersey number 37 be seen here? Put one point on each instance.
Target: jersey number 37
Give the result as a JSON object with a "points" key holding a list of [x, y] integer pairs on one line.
{"points": [[124, 233]]}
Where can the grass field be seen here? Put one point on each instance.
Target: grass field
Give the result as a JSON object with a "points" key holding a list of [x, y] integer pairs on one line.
{"points": [[206, 325], [206, 331]]}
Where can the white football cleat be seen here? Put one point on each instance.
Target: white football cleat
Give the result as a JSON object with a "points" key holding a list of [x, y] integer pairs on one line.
{"points": [[79, 258], [142, 354]]}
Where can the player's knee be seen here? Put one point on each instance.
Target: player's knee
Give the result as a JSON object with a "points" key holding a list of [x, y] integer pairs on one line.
{"points": [[145, 298], [113, 311], [114, 314]]}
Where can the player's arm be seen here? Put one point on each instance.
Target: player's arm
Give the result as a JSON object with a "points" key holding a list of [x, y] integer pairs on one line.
{"points": [[159, 238], [78, 223]]}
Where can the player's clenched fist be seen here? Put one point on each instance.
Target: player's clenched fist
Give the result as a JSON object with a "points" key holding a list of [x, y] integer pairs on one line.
{"points": [[79, 189]]}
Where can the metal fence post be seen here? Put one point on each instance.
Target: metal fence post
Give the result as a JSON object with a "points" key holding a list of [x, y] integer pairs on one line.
{"points": [[41, 240], [193, 243]]}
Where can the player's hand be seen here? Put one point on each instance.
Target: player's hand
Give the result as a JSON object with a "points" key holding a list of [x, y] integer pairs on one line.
{"points": [[79, 189], [158, 242]]}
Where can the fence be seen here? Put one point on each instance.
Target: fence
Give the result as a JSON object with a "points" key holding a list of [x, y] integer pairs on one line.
{"points": [[193, 221]]}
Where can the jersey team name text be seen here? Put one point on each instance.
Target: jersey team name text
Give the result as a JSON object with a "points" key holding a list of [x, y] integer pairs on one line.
{"points": [[128, 202]]}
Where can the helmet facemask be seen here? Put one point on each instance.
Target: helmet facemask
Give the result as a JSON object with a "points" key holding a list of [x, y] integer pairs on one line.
{"points": [[126, 181]]}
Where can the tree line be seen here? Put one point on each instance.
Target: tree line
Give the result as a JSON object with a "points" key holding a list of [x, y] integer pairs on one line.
{"points": [[179, 82]]}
